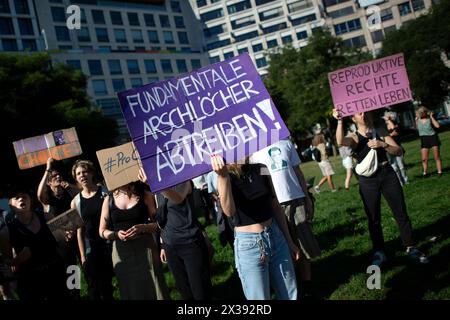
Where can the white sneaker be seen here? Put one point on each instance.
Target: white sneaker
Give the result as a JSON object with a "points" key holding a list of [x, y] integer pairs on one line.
{"points": [[317, 189], [379, 258]]}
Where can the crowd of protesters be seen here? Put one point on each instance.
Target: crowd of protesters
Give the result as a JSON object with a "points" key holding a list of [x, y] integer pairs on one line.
{"points": [[262, 207]]}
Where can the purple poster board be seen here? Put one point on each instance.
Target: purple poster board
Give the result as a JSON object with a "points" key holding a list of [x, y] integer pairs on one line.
{"points": [[371, 85], [177, 124]]}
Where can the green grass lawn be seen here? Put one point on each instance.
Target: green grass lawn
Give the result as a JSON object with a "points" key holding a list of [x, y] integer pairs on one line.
{"points": [[341, 228]]}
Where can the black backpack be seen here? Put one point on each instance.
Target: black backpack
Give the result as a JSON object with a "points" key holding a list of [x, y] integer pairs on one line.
{"points": [[316, 155]]}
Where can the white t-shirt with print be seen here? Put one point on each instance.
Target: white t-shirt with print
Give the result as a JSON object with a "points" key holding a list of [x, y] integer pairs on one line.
{"points": [[280, 158]]}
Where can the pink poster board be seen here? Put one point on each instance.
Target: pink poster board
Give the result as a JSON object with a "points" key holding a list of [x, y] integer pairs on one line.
{"points": [[371, 85]]}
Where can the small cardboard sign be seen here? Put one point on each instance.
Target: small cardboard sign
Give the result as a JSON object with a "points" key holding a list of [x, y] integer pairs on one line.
{"points": [[67, 221], [35, 151], [120, 165]]}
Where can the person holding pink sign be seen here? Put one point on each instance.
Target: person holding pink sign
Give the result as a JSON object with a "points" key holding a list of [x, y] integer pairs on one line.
{"points": [[383, 181]]}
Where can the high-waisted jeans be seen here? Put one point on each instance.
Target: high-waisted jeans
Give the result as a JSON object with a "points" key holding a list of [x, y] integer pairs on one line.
{"points": [[263, 260]]}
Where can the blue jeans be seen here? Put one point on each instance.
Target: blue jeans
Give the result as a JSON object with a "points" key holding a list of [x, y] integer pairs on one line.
{"points": [[264, 259]]}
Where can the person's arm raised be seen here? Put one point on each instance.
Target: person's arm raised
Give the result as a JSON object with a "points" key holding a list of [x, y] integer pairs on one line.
{"points": [[42, 194], [434, 121], [340, 137], [223, 186], [178, 196]]}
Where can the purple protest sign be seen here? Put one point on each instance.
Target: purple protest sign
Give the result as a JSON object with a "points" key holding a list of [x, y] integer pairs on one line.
{"points": [[177, 124], [371, 85]]}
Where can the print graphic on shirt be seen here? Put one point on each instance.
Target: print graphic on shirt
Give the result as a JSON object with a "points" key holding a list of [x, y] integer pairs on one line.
{"points": [[278, 163]]}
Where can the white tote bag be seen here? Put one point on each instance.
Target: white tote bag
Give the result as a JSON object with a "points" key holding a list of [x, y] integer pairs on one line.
{"points": [[369, 165]]}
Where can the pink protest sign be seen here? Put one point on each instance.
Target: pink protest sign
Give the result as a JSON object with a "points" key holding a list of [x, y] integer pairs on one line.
{"points": [[371, 85]]}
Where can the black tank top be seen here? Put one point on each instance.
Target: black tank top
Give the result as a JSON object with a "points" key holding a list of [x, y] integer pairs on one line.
{"points": [[123, 219], [59, 205], [362, 149], [91, 210]]}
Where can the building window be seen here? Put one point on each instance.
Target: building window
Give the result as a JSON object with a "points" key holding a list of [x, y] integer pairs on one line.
{"points": [[404, 8], [164, 21], [95, 67], [246, 36], [341, 12], [356, 42], [133, 19], [181, 66], [242, 22], [418, 5], [257, 47], [120, 35], [83, 16], [214, 59], [25, 27], [303, 20], [29, 45], [347, 26], [114, 67], [302, 35], [260, 2], [213, 31], [4, 6], [386, 14], [9, 45], [168, 37], [195, 63], [116, 18], [62, 34], [242, 50], [83, 35], [6, 26], [329, 3], [21, 6], [137, 36], [210, 15], [102, 34], [98, 17], [272, 43], [133, 67], [74, 64], [240, 6], [175, 6], [228, 55], [261, 62], [286, 39], [218, 44], [179, 21], [274, 28], [272, 13], [99, 87], [377, 36], [153, 36], [183, 37], [58, 14], [299, 5], [149, 20], [201, 3], [166, 66], [136, 82], [118, 85], [389, 29], [150, 66]]}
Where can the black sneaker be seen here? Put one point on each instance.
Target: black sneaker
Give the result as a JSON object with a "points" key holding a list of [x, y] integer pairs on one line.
{"points": [[416, 255]]}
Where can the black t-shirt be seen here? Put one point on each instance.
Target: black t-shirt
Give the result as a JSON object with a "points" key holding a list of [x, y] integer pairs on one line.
{"points": [[182, 225], [42, 244], [59, 205], [252, 194], [362, 149], [91, 210]]}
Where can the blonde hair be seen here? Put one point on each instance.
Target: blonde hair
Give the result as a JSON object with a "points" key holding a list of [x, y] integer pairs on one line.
{"points": [[422, 112]]}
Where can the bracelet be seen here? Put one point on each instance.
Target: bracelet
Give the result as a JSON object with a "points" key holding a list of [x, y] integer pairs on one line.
{"points": [[103, 234]]}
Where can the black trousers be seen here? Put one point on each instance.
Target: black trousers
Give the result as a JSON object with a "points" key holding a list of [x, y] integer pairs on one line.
{"points": [[385, 182], [98, 271], [189, 264]]}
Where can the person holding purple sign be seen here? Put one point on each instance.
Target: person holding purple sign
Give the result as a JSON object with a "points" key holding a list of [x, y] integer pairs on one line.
{"points": [[383, 181], [262, 245]]}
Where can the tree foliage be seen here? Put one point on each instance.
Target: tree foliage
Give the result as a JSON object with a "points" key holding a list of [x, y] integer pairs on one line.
{"points": [[37, 97], [298, 79], [423, 42]]}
